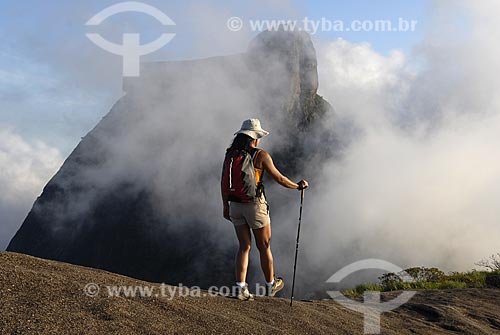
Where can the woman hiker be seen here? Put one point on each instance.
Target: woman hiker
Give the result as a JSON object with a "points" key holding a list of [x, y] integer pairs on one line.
{"points": [[250, 210]]}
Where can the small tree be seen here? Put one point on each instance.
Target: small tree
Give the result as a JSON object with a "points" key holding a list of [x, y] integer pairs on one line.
{"points": [[422, 274], [391, 281], [492, 263]]}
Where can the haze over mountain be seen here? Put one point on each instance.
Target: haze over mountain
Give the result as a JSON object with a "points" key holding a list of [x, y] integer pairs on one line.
{"points": [[140, 194]]}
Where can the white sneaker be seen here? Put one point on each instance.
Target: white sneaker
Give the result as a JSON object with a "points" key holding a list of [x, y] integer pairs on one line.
{"points": [[276, 287], [244, 293]]}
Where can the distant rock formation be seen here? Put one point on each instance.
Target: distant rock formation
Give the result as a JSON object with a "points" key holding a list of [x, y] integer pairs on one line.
{"points": [[140, 193]]}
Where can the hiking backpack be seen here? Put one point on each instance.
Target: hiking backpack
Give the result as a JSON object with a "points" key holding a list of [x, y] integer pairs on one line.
{"points": [[238, 176]]}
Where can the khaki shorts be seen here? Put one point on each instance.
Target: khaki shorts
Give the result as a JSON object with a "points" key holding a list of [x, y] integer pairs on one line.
{"points": [[255, 214]]}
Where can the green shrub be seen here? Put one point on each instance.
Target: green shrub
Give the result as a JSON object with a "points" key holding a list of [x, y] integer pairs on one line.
{"points": [[423, 274], [421, 278], [359, 289], [472, 278]]}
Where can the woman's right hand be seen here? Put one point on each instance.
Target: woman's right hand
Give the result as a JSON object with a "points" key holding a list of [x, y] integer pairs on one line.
{"points": [[226, 212], [303, 184]]}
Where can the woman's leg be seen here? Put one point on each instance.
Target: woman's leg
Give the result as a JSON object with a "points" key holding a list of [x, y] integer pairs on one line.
{"points": [[245, 240], [263, 241]]}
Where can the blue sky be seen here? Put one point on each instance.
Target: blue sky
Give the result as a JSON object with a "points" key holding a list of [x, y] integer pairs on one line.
{"points": [[374, 10]]}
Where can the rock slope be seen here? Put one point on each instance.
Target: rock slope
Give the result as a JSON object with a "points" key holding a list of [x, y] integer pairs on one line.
{"points": [[39, 296]]}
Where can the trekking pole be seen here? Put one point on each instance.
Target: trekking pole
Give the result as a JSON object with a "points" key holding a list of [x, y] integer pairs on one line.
{"points": [[297, 245]]}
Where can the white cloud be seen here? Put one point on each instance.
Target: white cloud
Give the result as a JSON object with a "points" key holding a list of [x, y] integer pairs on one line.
{"points": [[360, 83], [419, 183], [24, 170]]}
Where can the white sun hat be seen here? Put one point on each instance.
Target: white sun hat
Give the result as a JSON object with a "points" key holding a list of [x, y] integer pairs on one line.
{"points": [[252, 128]]}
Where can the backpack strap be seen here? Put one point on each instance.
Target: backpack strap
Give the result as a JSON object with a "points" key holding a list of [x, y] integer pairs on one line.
{"points": [[256, 154], [260, 187]]}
